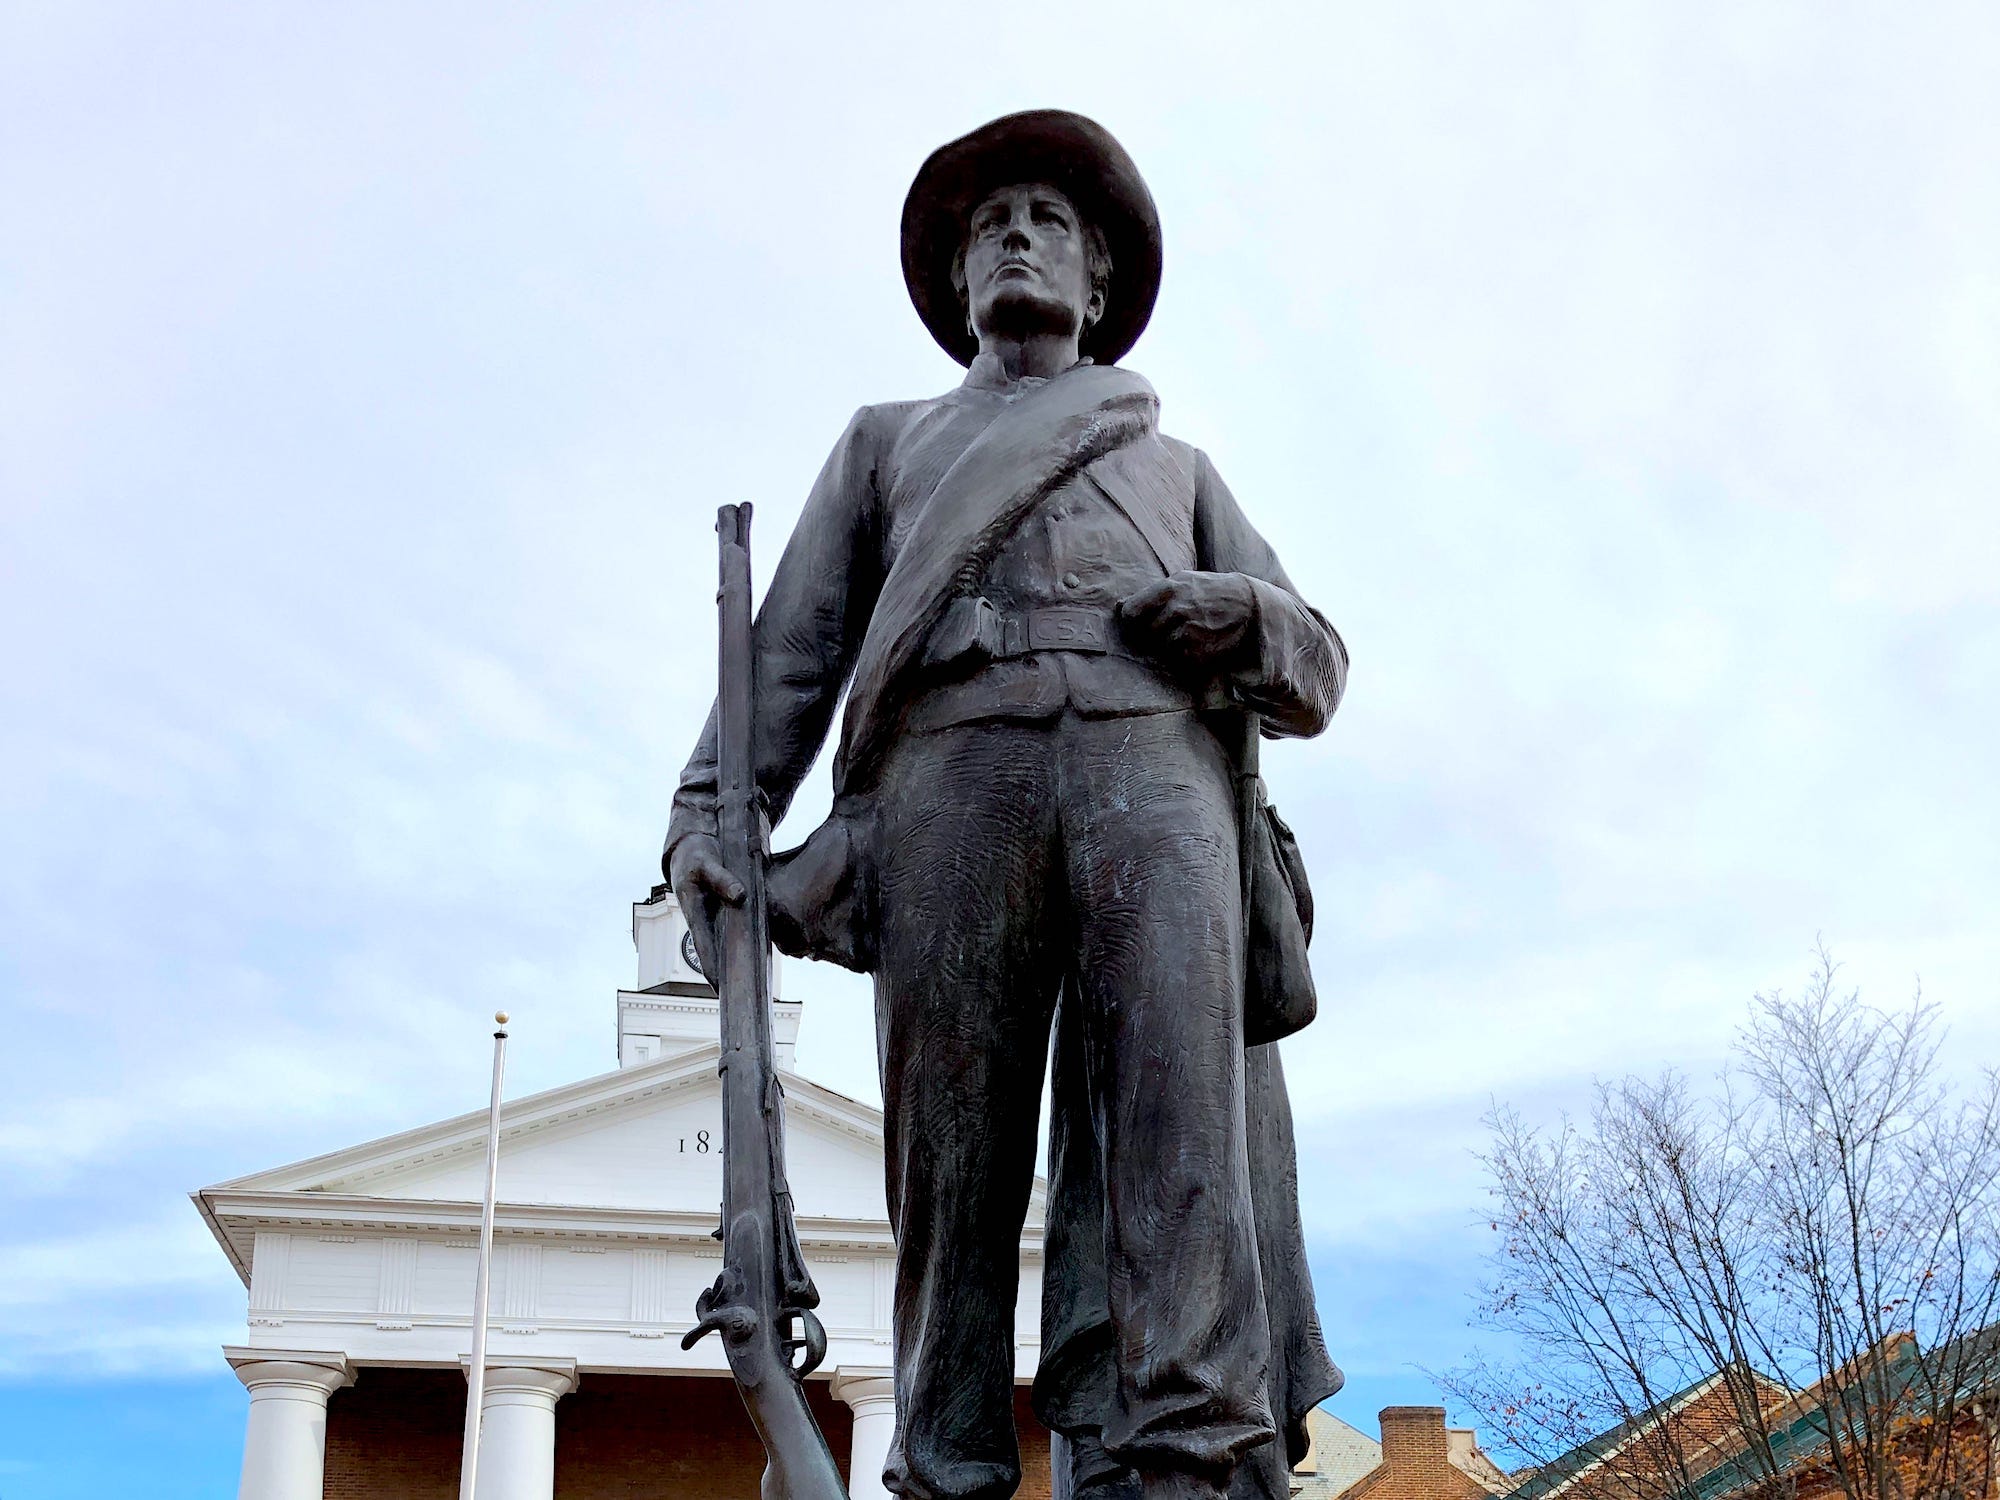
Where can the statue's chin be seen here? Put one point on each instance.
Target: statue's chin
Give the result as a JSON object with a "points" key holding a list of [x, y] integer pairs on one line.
{"points": [[1020, 313]]}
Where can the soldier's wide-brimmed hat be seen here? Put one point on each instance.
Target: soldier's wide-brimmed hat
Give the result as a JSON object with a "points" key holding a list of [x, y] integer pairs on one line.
{"points": [[1067, 151]]}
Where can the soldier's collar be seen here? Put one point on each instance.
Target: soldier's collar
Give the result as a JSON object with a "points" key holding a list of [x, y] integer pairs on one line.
{"points": [[985, 374]]}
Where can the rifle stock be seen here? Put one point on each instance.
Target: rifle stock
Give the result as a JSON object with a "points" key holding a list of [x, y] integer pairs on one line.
{"points": [[764, 1290]]}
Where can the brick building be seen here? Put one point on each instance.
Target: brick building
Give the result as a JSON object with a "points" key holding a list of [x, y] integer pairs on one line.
{"points": [[359, 1269], [1417, 1459], [1691, 1431], [1937, 1413]]}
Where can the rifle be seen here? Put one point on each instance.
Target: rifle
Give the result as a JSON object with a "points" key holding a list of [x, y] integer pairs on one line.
{"points": [[764, 1289]]}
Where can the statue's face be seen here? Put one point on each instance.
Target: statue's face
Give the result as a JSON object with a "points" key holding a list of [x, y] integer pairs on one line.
{"points": [[1027, 266]]}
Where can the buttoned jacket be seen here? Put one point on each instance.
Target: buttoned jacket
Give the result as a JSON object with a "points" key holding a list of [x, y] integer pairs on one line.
{"points": [[1148, 509]]}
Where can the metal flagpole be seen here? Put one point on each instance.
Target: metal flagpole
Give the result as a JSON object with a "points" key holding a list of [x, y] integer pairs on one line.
{"points": [[475, 1377]]}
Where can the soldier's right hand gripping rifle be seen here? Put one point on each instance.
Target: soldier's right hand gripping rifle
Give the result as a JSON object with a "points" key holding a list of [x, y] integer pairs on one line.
{"points": [[764, 1292]]}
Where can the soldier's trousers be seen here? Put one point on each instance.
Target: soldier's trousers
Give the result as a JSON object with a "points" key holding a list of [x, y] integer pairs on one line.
{"points": [[1013, 858]]}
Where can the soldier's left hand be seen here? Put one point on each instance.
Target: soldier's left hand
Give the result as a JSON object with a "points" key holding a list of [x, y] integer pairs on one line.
{"points": [[1192, 617]]}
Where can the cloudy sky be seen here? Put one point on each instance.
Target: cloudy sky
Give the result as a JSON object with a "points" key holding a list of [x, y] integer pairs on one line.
{"points": [[1623, 380]]}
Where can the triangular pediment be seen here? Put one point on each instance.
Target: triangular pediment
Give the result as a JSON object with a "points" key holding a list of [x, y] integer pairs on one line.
{"points": [[647, 1137], [617, 1155]]}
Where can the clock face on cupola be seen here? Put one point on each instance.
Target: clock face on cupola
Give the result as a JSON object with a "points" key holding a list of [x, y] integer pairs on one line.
{"points": [[674, 1006], [668, 961]]}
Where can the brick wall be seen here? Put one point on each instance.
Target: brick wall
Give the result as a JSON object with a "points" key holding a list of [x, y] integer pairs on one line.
{"points": [[1034, 1449], [1701, 1431], [1416, 1461], [1706, 1433], [395, 1434], [1923, 1469], [635, 1437], [1690, 1440]]}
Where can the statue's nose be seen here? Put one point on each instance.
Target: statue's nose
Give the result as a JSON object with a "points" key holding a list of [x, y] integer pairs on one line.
{"points": [[1016, 238]]}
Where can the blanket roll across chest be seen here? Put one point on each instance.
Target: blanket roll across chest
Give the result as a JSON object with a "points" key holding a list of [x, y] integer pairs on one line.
{"points": [[1099, 425]]}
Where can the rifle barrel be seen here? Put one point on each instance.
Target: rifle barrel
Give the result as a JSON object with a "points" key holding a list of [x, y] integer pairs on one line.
{"points": [[764, 1289]]}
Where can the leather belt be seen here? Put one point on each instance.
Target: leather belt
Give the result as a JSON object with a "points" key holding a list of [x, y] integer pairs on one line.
{"points": [[973, 631], [1060, 627]]}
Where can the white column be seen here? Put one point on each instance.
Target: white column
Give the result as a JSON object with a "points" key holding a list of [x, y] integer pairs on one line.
{"points": [[284, 1442], [517, 1429], [871, 1393]]}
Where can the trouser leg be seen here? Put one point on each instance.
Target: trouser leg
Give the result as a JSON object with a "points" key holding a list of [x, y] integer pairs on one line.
{"points": [[1149, 839], [964, 991], [1076, 1386]]}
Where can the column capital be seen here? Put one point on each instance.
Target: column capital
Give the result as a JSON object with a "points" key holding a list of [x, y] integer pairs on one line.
{"points": [[864, 1386], [301, 1374], [870, 1392], [538, 1381]]}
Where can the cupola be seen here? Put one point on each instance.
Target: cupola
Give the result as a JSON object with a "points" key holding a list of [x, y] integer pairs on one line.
{"points": [[674, 1008]]}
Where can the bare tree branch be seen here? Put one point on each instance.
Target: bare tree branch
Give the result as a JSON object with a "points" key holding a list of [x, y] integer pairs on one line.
{"points": [[1794, 1274]]}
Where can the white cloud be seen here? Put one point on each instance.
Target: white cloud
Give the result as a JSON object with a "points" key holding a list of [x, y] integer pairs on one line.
{"points": [[106, 1262], [1620, 380]]}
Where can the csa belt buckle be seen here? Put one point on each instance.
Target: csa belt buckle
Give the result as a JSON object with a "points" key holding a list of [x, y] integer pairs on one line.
{"points": [[1059, 629]]}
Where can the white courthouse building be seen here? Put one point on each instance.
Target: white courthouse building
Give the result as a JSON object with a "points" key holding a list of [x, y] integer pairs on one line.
{"points": [[359, 1268]]}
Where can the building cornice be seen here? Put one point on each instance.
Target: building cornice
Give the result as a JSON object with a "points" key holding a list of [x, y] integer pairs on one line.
{"points": [[235, 1217]]}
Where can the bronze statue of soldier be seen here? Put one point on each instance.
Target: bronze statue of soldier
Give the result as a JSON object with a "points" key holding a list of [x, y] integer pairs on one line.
{"points": [[1053, 624]]}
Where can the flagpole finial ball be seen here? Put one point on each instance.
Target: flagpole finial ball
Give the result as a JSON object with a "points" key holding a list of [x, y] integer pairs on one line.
{"points": [[500, 1016]]}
